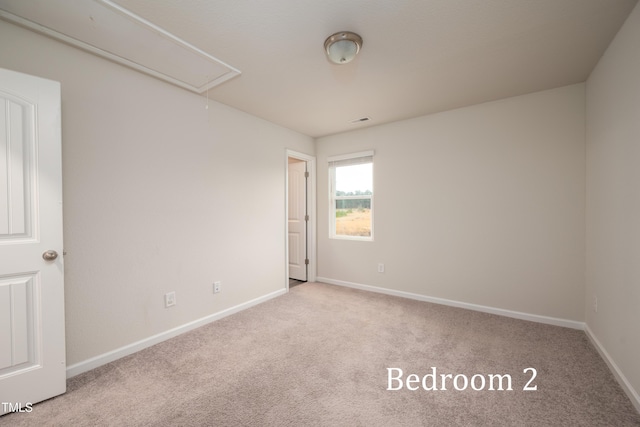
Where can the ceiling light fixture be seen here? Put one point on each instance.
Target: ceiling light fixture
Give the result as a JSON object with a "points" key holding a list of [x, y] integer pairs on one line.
{"points": [[342, 47]]}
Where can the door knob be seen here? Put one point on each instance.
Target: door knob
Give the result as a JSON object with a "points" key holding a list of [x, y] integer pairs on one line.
{"points": [[49, 255]]}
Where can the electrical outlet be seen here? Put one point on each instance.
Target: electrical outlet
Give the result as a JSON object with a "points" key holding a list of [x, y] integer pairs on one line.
{"points": [[216, 287], [595, 304], [169, 299], [381, 268]]}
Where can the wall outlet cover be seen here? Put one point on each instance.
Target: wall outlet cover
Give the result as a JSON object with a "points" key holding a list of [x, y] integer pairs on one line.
{"points": [[169, 299]]}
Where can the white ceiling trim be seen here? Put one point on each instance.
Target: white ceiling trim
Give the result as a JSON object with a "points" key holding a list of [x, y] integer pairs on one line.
{"points": [[195, 70]]}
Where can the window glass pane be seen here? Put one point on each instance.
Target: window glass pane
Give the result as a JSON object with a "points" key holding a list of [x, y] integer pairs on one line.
{"points": [[354, 180], [351, 201], [353, 217]]}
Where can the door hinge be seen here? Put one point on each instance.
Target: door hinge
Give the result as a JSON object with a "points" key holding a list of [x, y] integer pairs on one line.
{"points": [[306, 217], [306, 261], [306, 174]]}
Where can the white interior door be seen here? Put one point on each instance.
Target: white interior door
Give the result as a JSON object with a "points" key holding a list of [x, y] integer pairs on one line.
{"points": [[297, 220], [32, 341]]}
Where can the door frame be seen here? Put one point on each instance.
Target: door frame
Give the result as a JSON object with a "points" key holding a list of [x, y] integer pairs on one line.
{"points": [[311, 211]]}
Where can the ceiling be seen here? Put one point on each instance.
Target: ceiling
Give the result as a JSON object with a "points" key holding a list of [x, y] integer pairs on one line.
{"points": [[418, 56]]}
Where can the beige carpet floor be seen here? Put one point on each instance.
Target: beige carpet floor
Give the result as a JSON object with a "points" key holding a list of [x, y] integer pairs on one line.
{"points": [[319, 355]]}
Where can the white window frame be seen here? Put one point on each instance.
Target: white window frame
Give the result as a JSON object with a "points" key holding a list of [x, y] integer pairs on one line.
{"points": [[361, 157]]}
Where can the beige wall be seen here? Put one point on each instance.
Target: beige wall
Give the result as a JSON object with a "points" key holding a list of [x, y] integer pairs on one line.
{"points": [[159, 195], [613, 200], [481, 205]]}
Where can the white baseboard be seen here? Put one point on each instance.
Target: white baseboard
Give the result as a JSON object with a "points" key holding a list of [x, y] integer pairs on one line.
{"points": [[105, 358], [622, 380], [485, 309]]}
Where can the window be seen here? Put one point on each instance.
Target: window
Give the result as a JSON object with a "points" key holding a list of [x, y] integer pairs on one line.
{"points": [[351, 196]]}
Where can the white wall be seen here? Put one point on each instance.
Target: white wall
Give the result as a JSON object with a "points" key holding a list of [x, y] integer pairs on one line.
{"points": [[159, 195], [481, 205], [613, 200]]}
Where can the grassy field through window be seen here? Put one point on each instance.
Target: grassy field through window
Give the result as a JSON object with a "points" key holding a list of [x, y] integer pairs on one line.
{"points": [[353, 222]]}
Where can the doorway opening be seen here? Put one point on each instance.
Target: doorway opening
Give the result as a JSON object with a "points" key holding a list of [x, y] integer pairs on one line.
{"points": [[300, 218]]}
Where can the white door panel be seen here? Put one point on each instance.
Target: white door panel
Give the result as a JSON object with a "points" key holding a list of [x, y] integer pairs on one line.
{"points": [[32, 343], [297, 224]]}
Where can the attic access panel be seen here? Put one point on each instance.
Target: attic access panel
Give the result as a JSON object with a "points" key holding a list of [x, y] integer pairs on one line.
{"points": [[109, 30]]}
